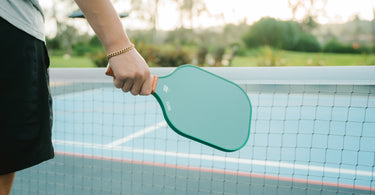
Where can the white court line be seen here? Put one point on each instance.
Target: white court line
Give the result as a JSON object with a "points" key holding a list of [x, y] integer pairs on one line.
{"points": [[265, 163], [136, 134], [81, 144]]}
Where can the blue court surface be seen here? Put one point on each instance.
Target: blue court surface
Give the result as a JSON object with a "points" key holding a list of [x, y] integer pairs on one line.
{"points": [[323, 141]]}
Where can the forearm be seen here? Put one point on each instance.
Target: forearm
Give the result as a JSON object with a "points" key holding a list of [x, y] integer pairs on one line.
{"points": [[106, 23], [130, 70]]}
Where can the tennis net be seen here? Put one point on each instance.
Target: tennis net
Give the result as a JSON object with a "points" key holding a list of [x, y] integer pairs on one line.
{"points": [[312, 132]]}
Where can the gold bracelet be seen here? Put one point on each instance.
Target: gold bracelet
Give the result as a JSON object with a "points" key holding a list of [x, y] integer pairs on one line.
{"points": [[116, 53]]}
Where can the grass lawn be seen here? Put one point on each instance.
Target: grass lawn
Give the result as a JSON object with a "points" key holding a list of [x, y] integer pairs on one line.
{"points": [[71, 62], [264, 57], [290, 58]]}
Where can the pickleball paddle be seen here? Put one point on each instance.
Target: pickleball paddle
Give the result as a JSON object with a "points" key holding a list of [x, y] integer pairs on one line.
{"points": [[204, 107]]}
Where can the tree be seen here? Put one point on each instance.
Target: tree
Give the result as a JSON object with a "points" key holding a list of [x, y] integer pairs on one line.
{"points": [[310, 9], [141, 8], [192, 8], [307, 43], [272, 32], [280, 34], [66, 34], [357, 31], [232, 33]]}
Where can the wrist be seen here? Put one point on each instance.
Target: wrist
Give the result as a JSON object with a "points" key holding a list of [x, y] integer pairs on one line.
{"points": [[116, 46], [119, 52]]}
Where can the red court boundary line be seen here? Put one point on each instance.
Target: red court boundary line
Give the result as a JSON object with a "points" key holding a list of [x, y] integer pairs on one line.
{"points": [[219, 171]]}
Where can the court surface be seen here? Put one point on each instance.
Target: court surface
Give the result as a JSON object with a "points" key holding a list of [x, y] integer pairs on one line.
{"points": [[318, 141]]}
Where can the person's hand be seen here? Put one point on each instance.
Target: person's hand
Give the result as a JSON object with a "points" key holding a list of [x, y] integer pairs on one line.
{"points": [[131, 73]]}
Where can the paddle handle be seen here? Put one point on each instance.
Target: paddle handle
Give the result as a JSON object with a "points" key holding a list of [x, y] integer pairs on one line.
{"points": [[155, 78]]}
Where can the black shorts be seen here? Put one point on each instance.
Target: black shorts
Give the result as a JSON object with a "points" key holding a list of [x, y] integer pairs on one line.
{"points": [[25, 101]]}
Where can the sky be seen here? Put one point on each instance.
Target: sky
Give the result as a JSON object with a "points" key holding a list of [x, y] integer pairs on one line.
{"points": [[235, 11]]}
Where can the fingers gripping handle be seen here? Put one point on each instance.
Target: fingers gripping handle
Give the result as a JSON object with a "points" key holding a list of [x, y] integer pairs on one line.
{"points": [[155, 78]]}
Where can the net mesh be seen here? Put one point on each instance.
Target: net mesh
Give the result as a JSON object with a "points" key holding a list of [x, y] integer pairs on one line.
{"points": [[306, 138]]}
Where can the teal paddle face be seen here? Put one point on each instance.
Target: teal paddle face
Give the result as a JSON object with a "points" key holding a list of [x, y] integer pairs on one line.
{"points": [[205, 107]]}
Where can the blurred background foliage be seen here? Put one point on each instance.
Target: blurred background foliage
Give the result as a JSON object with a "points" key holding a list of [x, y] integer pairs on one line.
{"points": [[267, 42]]}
